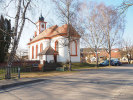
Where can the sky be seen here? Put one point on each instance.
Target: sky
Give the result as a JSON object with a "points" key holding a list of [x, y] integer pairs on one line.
{"points": [[50, 14], [128, 33]]}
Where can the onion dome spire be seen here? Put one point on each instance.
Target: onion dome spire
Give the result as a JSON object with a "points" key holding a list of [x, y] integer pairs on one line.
{"points": [[41, 18]]}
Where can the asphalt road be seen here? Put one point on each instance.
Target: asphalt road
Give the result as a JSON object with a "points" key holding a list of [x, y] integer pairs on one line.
{"points": [[102, 84]]}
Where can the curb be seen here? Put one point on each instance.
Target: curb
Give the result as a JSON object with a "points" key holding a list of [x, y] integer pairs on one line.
{"points": [[20, 83]]}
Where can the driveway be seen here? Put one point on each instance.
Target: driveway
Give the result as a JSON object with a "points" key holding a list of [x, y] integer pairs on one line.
{"points": [[114, 83]]}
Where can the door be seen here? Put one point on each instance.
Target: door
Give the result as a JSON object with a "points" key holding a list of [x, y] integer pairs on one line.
{"points": [[55, 58]]}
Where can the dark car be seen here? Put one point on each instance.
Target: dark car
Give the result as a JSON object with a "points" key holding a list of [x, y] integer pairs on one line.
{"points": [[117, 63], [106, 63]]}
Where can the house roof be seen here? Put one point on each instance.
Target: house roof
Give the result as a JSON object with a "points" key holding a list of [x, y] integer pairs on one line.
{"points": [[48, 51], [55, 31]]}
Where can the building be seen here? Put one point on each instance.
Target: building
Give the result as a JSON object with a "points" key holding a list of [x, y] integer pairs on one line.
{"points": [[88, 55], [51, 44]]}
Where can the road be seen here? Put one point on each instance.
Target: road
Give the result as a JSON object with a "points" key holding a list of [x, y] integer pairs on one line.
{"points": [[96, 84]]}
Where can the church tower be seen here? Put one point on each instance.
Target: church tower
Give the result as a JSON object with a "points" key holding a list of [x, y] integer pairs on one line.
{"points": [[40, 26]]}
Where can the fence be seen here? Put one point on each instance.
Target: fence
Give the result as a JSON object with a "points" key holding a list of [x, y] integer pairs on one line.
{"points": [[15, 72]]}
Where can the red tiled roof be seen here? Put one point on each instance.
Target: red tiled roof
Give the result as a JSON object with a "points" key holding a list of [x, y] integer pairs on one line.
{"points": [[115, 53], [48, 51], [54, 31]]}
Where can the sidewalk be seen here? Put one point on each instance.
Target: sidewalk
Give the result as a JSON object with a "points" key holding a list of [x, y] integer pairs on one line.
{"points": [[28, 78], [4, 84]]}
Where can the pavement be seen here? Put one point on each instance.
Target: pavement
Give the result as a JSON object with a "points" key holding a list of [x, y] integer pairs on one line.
{"points": [[115, 83], [9, 83]]}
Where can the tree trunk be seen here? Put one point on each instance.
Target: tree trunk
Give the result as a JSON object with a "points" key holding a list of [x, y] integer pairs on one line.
{"points": [[69, 54], [96, 56], [69, 37], [16, 36], [109, 57]]}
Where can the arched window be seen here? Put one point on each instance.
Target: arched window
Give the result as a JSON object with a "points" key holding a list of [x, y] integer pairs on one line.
{"points": [[32, 52], [36, 50], [73, 47], [41, 47], [56, 46]]}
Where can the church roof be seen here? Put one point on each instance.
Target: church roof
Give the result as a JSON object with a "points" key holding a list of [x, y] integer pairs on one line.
{"points": [[48, 51], [55, 31], [41, 18]]}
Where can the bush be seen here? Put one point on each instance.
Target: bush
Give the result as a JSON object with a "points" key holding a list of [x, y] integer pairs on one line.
{"points": [[51, 66]]}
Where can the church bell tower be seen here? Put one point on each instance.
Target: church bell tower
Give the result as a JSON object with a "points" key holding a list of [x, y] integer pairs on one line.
{"points": [[41, 26]]}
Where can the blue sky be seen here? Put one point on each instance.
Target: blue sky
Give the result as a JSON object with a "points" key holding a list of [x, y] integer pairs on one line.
{"points": [[49, 12], [128, 33]]}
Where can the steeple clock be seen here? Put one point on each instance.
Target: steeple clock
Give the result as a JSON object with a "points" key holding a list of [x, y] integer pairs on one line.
{"points": [[41, 26]]}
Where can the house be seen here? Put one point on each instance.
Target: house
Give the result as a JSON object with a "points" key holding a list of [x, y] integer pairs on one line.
{"points": [[90, 56], [51, 44]]}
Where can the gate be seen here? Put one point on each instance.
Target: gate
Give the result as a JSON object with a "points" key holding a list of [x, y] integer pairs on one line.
{"points": [[15, 72]]}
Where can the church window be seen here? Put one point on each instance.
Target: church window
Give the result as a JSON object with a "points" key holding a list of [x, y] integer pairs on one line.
{"points": [[73, 48], [41, 47], [56, 46], [36, 50], [32, 52]]}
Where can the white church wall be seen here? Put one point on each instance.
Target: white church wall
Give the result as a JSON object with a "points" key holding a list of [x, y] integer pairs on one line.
{"points": [[62, 57], [29, 52], [63, 50], [45, 43], [48, 58]]}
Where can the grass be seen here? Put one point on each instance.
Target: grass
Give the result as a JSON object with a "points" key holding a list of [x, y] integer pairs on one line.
{"points": [[53, 73], [44, 74], [82, 65], [86, 66]]}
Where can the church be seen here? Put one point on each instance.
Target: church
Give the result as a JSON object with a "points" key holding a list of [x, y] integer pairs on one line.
{"points": [[51, 44]]}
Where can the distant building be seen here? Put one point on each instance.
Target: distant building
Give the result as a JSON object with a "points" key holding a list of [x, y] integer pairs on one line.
{"points": [[102, 54]]}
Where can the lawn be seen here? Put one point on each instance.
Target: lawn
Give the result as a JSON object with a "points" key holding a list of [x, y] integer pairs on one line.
{"points": [[86, 66], [82, 65], [44, 74], [50, 73]]}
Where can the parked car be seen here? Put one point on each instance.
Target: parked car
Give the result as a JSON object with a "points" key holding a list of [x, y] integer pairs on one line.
{"points": [[113, 63], [117, 63], [106, 63]]}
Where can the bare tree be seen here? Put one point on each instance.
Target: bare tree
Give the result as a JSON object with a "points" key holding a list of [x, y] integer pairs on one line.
{"points": [[113, 27], [67, 10], [127, 49], [93, 20], [125, 5], [20, 17]]}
